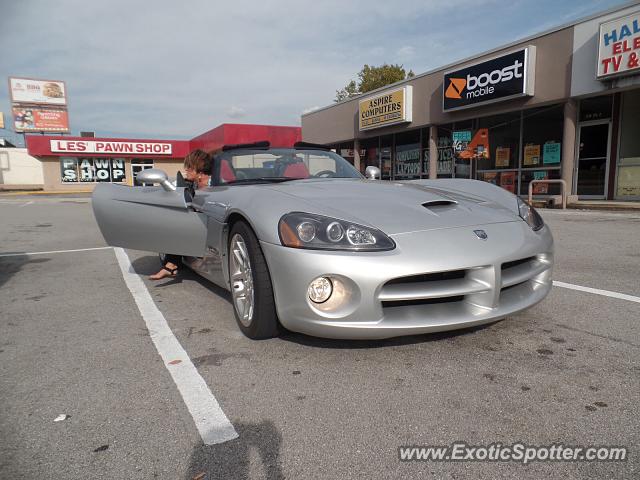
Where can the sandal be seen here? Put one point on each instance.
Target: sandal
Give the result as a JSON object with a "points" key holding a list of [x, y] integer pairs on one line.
{"points": [[171, 272]]}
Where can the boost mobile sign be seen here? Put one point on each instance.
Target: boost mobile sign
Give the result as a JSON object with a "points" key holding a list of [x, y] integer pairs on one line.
{"points": [[501, 78]]}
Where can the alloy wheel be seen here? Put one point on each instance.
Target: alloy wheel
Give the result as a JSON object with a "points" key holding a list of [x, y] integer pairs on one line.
{"points": [[241, 280]]}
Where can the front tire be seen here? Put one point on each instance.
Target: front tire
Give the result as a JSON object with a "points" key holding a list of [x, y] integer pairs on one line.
{"points": [[251, 289]]}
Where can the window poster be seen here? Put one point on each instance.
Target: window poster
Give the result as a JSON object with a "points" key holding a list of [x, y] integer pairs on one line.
{"points": [[531, 154], [508, 180], [85, 170], [462, 136], [503, 156], [478, 147], [551, 152], [69, 170], [92, 170], [540, 188], [629, 181], [491, 177]]}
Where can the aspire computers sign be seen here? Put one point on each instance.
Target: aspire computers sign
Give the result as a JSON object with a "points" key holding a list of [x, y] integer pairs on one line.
{"points": [[494, 80]]}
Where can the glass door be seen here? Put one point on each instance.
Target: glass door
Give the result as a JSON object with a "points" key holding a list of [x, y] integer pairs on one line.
{"points": [[137, 166], [593, 159]]}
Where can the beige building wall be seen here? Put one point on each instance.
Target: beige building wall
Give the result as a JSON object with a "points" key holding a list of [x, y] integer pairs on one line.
{"points": [[19, 169], [338, 122]]}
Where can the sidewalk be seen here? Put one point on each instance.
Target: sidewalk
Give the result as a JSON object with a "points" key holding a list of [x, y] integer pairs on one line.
{"points": [[604, 205]]}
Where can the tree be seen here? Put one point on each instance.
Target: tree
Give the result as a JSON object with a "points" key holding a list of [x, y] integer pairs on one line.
{"points": [[370, 78], [350, 91]]}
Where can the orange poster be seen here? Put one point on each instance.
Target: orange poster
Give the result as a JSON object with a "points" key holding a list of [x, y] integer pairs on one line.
{"points": [[478, 146], [508, 180]]}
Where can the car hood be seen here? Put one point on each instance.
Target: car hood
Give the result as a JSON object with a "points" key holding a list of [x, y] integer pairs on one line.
{"points": [[396, 207]]}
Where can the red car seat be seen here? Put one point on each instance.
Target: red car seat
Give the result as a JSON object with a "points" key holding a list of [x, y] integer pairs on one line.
{"points": [[226, 172], [296, 170]]}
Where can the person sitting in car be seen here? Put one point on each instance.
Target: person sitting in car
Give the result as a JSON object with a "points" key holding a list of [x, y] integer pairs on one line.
{"points": [[197, 171]]}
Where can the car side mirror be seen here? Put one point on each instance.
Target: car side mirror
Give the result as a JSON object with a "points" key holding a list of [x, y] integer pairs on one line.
{"points": [[155, 175], [372, 173]]}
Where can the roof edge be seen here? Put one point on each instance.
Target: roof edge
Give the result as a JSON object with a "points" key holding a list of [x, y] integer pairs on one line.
{"points": [[482, 54]]}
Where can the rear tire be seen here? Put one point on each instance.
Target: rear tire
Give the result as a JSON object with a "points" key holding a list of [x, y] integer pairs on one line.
{"points": [[251, 289]]}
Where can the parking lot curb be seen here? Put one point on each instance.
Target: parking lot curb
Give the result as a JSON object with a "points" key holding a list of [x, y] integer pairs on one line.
{"points": [[41, 192]]}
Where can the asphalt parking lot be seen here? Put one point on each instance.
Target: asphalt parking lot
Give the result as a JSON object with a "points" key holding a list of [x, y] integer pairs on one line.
{"points": [[73, 341]]}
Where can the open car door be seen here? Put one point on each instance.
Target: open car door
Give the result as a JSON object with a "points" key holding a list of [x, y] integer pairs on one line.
{"points": [[149, 218]]}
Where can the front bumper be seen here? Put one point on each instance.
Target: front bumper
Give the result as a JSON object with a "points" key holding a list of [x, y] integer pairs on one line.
{"points": [[439, 280]]}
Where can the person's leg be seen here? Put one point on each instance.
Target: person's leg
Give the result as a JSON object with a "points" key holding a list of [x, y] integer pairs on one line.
{"points": [[169, 269]]}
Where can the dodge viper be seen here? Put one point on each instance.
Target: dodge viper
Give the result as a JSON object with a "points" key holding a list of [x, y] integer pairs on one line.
{"points": [[303, 241]]}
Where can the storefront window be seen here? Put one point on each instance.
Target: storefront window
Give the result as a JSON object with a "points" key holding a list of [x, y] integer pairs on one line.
{"points": [[407, 161], [461, 137], [91, 170], [346, 151], [504, 142], [138, 165], [370, 149], [445, 151], [499, 165], [386, 148], [69, 170], [628, 182], [426, 132], [540, 188], [542, 130]]}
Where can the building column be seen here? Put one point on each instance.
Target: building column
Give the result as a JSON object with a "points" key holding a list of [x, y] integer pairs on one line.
{"points": [[356, 154], [569, 145], [614, 150], [433, 152]]}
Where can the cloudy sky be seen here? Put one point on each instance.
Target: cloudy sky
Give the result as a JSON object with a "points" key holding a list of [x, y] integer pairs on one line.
{"points": [[167, 69]]}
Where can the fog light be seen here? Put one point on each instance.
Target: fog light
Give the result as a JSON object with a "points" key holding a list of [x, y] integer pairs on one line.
{"points": [[320, 290]]}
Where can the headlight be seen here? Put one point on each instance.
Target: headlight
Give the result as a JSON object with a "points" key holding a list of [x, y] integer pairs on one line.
{"points": [[307, 230], [529, 215]]}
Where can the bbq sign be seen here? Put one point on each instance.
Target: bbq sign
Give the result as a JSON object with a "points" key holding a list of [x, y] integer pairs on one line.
{"points": [[619, 47], [388, 108], [501, 78]]}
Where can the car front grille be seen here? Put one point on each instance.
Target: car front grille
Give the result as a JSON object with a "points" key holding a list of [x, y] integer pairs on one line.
{"points": [[520, 271], [430, 288], [482, 286]]}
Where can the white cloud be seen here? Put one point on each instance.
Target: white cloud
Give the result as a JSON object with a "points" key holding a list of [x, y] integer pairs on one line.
{"points": [[182, 68], [236, 112], [405, 53]]}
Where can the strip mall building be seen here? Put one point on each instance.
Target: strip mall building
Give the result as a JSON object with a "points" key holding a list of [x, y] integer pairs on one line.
{"points": [[79, 163], [564, 104]]}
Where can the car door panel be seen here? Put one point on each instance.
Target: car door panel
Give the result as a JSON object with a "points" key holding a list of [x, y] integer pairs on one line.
{"points": [[213, 266], [150, 219]]}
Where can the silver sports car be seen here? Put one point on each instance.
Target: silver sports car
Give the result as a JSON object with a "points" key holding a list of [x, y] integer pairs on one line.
{"points": [[303, 241]]}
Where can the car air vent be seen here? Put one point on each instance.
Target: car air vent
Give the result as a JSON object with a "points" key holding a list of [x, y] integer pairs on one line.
{"points": [[439, 205]]}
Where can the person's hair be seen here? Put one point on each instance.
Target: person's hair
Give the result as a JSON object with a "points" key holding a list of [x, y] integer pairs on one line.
{"points": [[199, 161]]}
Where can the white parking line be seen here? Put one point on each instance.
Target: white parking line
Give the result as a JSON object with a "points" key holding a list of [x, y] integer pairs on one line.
{"points": [[22, 254], [597, 291], [210, 420]]}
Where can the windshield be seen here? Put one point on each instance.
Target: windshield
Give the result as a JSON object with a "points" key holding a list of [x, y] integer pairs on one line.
{"points": [[279, 165]]}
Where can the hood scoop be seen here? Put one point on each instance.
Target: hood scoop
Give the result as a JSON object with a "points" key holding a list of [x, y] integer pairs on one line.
{"points": [[440, 206]]}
